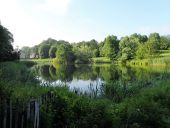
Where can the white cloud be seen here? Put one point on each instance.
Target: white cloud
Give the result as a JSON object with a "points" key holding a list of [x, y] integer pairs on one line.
{"points": [[57, 6]]}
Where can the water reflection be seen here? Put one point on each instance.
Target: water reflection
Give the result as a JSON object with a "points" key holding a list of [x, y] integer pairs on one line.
{"points": [[89, 79]]}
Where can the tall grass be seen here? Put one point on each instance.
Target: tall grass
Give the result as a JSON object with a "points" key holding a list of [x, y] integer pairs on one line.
{"points": [[162, 60]]}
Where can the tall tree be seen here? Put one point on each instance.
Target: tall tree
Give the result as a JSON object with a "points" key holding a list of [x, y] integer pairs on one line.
{"points": [[34, 52], [164, 43], [44, 51], [129, 46], [141, 52], [52, 51], [64, 54], [25, 52], [153, 44], [6, 48], [85, 50], [110, 47]]}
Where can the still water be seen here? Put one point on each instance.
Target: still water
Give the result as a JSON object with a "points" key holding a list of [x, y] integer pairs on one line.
{"points": [[91, 78], [23, 106]]}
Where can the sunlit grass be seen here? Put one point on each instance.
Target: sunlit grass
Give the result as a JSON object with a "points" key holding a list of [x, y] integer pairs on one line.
{"points": [[101, 60], [47, 60], [164, 53], [162, 60]]}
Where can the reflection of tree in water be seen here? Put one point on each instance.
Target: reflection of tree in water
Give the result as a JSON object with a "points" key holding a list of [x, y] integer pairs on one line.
{"points": [[131, 81], [56, 72], [119, 82], [85, 72], [64, 72], [146, 74], [125, 74], [109, 73], [44, 72], [52, 71]]}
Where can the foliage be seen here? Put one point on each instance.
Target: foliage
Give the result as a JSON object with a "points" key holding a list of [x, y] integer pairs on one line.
{"points": [[150, 109], [164, 43], [64, 54], [25, 53], [6, 49], [44, 51], [135, 46], [34, 52], [141, 52], [110, 47], [85, 50], [129, 46], [153, 44], [52, 51]]}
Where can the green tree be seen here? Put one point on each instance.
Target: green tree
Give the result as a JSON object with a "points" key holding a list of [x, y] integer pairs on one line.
{"points": [[25, 52], [44, 51], [110, 47], [6, 48], [34, 52], [93, 44], [52, 51], [64, 54], [164, 43], [141, 53], [129, 46], [153, 44], [85, 50]]}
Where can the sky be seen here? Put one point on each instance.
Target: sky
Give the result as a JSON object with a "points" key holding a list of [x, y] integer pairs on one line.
{"points": [[32, 21]]}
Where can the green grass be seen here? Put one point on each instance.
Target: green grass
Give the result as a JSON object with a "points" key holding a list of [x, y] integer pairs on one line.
{"points": [[164, 53], [101, 60], [48, 60], [162, 60]]}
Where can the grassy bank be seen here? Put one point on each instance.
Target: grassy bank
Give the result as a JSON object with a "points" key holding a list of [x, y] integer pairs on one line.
{"points": [[101, 60], [48, 60], [162, 60]]}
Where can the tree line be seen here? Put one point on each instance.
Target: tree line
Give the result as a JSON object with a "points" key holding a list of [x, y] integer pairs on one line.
{"points": [[135, 46]]}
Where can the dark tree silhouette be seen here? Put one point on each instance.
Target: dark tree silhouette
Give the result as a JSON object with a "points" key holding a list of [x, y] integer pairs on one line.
{"points": [[6, 49]]}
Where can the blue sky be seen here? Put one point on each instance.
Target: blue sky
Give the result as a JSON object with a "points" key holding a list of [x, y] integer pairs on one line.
{"points": [[32, 21]]}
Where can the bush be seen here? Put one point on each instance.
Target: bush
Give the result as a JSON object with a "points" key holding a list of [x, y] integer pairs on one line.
{"points": [[150, 109]]}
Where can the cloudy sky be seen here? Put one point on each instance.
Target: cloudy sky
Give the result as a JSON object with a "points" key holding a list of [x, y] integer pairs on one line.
{"points": [[32, 21]]}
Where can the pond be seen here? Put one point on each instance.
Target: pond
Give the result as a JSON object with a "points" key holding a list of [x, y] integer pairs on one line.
{"points": [[89, 79], [28, 95]]}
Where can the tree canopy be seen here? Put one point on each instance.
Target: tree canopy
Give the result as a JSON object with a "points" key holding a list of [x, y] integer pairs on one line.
{"points": [[6, 49], [64, 54], [110, 47]]}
